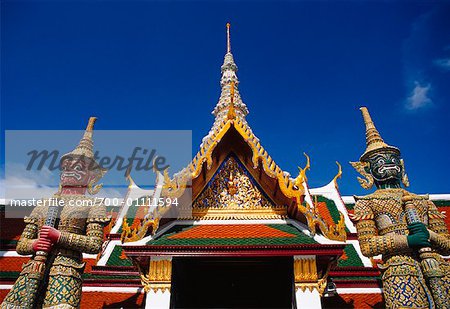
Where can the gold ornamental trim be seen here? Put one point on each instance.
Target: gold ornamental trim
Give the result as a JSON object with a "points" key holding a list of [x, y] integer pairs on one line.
{"points": [[290, 187], [306, 276], [238, 214], [305, 269], [158, 275]]}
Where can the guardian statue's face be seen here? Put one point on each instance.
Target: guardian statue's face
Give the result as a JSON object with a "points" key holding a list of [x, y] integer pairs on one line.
{"points": [[386, 167], [75, 172]]}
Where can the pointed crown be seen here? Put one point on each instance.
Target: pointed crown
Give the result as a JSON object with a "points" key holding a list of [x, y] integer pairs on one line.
{"points": [[374, 141], [85, 147]]}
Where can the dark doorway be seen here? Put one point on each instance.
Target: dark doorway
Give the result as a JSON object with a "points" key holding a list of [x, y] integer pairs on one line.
{"points": [[232, 282]]}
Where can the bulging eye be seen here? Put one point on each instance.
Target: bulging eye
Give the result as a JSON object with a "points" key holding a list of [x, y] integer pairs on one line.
{"points": [[77, 168], [380, 161]]}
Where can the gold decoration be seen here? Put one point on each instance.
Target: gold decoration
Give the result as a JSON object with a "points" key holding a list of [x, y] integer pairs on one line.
{"points": [[231, 112], [237, 197], [159, 275], [360, 167], [130, 234], [305, 269], [92, 187], [338, 175], [405, 179], [306, 276], [291, 188], [301, 178]]}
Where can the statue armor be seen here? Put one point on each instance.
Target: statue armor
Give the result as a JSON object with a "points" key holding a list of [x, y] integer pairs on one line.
{"points": [[81, 231], [411, 278], [382, 229]]}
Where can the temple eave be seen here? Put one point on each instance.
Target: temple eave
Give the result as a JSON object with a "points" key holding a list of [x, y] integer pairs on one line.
{"points": [[330, 250]]}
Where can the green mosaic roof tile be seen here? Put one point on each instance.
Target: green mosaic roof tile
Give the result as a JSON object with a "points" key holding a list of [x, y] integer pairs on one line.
{"points": [[332, 209], [350, 206], [8, 241], [131, 213], [115, 260], [299, 238], [9, 274], [353, 258], [442, 203]]}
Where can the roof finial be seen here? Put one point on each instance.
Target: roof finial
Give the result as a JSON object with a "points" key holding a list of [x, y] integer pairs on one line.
{"points": [[91, 122], [228, 39]]}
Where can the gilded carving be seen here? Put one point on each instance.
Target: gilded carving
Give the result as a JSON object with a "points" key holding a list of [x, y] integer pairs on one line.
{"points": [[233, 192], [158, 275], [306, 276]]}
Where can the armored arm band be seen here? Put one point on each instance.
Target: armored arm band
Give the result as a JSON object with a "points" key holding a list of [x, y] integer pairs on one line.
{"points": [[29, 235], [93, 240], [439, 235], [89, 243], [370, 242]]}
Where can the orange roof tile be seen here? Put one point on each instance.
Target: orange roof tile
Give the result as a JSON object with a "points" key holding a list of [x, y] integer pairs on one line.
{"points": [[325, 212], [231, 231], [13, 263]]}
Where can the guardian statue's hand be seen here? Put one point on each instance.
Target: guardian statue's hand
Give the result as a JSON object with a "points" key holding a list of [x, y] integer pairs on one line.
{"points": [[49, 233], [418, 235], [418, 227], [42, 244]]}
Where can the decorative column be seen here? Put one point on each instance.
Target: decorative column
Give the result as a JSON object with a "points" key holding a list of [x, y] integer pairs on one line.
{"points": [[157, 282], [308, 287]]}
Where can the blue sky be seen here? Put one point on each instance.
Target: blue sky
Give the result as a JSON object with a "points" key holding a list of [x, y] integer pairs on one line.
{"points": [[304, 67]]}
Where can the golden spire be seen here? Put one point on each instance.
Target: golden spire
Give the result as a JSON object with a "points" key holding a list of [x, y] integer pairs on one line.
{"points": [[231, 112], [228, 70], [374, 142], [228, 39]]}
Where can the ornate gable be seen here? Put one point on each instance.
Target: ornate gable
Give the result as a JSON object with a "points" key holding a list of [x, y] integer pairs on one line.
{"points": [[232, 193]]}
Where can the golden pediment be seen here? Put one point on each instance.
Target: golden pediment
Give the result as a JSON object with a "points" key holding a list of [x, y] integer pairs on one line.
{"points": [[233, 193]]}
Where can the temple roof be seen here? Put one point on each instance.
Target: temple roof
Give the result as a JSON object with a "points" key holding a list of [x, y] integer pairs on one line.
{"points": [[231, 134], [232, 235]]}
